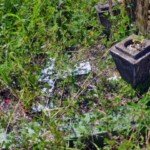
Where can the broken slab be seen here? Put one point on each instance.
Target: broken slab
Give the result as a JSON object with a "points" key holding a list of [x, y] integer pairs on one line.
{"points": [[49, 75], [82, 68], [2, 136]]}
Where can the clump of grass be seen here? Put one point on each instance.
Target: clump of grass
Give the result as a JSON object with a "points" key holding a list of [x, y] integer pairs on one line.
{"points": [[31, 33]]}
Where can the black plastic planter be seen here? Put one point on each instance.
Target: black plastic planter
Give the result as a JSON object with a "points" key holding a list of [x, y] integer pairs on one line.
{"points": [[103, 15], [133, 64]]}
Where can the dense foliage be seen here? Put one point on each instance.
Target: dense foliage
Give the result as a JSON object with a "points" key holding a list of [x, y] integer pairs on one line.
{"points": [[31, 32]]}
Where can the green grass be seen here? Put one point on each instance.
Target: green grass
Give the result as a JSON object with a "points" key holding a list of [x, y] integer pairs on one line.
{"points": [[31, 32]]}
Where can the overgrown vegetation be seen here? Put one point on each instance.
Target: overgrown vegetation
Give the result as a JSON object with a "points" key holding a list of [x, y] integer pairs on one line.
{"points": [[32, 32]]}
